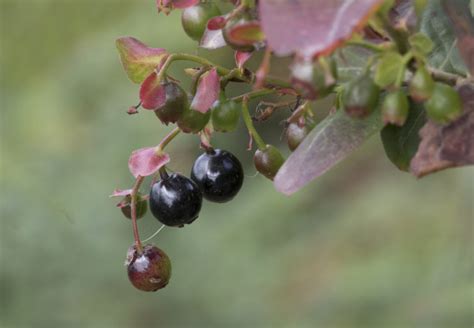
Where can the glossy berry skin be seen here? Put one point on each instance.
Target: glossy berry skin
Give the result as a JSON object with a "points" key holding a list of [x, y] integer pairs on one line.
{"points": [[150, 270], [268, 161], [126, 207], [395, 108], [421, 85], [361, 96], [175, 105], [194, 19], [295, 133], [193, 121], [219, 174], [225, 116], [444, 105], [175, 200]]}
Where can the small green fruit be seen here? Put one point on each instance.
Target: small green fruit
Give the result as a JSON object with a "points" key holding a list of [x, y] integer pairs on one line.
{"points": [[126, 206], [240, 19], [445, 104], [268, 161], [421, 85], [193, 121], [175, 105], [395, 108], [225, 116], [194, 19], [360, 97]]}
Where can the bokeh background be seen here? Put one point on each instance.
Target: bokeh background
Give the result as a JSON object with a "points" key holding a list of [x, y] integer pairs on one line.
{"points": [[363, 246]]}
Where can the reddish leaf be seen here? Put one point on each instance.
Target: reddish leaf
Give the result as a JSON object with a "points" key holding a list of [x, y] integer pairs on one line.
{"points": [[138, 59], [216, 23], [241, 58], [167, 5], [152, 92], [207, 91], [312, 27], [146, 161], [212, 39], [445, 146], [246, 34], [121, 193]]}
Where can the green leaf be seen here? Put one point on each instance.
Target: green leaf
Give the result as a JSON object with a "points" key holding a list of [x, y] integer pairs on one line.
{"points": [[138, 59], [387, 69], [401, 143], [421, 43], [332, 140], [437, 26]]}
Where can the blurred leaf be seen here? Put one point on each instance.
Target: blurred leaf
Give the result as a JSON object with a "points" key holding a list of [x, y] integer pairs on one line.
{"points": [[152, 92], [463, 25], [421, 43], [333, 139], [146, 161], [351, 61], [241, 58], [311, 27], [401, 143], [207, 91], [445, 146], [387, 69], [167, 5], [216, 23], [437, 26], [138, 59]]}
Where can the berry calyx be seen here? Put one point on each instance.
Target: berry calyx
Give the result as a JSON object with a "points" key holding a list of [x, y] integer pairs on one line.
{"points": [[219, 175], [421, 85], [126, 206], [444, 105], [148, 270], [360, 96], [395, 108], [175, 105], [268, 161], [175, 200], [225, 115], [194, 19]]}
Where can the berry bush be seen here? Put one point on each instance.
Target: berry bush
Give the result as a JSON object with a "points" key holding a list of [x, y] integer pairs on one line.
{"points": [[383, 64]]}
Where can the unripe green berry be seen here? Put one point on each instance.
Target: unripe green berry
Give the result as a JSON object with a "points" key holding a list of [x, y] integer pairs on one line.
{"points": [[295, 133], [444, 105], [240, 19], [395, 108], [421, 85], [194, 19], [141, 206], [193, 121], [225, 116], [360, 97], [175, 105], [268, 161]]}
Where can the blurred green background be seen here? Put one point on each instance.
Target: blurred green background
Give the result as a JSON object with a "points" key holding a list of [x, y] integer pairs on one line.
{"points": [[363, 246]]}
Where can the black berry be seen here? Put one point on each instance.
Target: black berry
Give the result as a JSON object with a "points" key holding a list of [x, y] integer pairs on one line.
{"points": [[219, 174], [175, 200], [149, 270]]}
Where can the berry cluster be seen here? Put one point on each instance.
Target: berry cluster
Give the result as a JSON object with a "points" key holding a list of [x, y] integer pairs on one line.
{"points": [[396, 75]]}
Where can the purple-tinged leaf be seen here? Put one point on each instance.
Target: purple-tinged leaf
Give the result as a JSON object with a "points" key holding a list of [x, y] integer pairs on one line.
{"points": [[152, 92], [138, 59], [463, 25], [212, 39], [336, 137], [245, 34], [146, 161], [216, 23], [241, 58], [167, 5], [207, 91], [121, 193], [312, 27], [450, 145]]}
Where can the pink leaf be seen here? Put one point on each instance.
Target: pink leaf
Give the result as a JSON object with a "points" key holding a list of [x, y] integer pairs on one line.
{"points": [[207, 91], [312, 27], [152, 92], [212, 39], [241, 58], [121, 193], [138, 59], [246, 34], [216, 23], [146, 161]]}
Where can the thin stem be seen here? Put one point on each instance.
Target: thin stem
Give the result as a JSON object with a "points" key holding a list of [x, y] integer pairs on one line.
{"points": [[401, 73], [249, 123], [442, 76], [254, 94], [366, 45], [166, 140], [133, 196], [397, 36]]}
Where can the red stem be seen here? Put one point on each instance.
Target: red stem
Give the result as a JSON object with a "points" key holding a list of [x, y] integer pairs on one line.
{"points": [[133, 195]]}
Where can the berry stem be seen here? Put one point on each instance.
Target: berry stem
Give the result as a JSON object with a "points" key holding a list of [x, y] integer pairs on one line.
{"points": [[133, 195], [168, 138], [401, 73], [250, 127], [254, 94], [365, 44]]}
